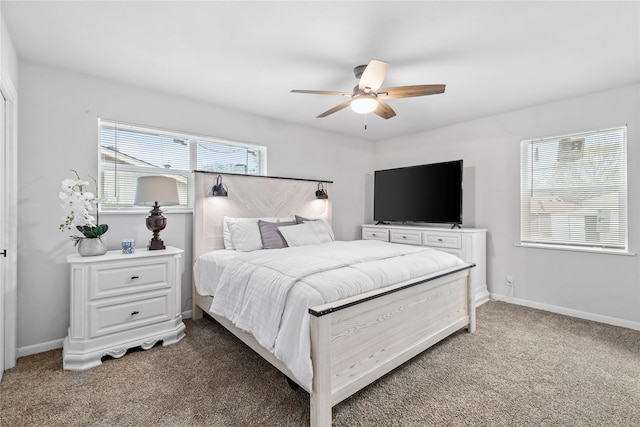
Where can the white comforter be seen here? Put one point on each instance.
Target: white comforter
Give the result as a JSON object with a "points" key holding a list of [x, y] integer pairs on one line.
{"points": [[268, 293]]}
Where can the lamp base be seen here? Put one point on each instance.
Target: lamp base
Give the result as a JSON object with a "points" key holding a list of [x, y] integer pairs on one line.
{"points": [[156, 222], [155, 244]]}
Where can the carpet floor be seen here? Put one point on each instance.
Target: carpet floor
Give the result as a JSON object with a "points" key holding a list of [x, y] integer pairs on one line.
{"points": [[522, 367]]}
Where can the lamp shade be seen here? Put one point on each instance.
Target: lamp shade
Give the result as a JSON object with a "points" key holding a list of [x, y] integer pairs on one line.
{"points": [[154, 189], [219, 189]]}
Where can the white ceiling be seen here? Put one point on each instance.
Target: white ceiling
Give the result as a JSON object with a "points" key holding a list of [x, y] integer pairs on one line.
{"points": [[493, 56]]}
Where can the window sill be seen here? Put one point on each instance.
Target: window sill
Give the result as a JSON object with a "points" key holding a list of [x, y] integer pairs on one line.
{"points": [[138, 211], [575, 249]]}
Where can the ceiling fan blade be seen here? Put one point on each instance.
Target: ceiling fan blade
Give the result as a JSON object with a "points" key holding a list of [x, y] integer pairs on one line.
{"points": [[373, 75], [321, 92], [334, 109], [410, 91], [384, 110]]}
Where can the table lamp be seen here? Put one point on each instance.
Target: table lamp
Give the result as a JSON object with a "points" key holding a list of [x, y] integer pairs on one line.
{"points": [[156, 191]]}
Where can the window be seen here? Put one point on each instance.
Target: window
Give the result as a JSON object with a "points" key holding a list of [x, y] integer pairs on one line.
{"points": [[127, 152], [574, 190]]}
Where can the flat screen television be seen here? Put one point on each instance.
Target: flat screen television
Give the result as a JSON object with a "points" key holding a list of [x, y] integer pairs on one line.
{"points": [[429, 193]]}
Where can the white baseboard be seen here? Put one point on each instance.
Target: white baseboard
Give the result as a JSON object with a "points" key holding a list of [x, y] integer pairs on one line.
{"points": [[482, 297], [39, 348], [52, 345], [569, 312]]}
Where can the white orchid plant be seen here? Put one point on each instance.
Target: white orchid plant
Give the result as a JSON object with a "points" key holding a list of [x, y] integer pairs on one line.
{"points": [[77, 204]]}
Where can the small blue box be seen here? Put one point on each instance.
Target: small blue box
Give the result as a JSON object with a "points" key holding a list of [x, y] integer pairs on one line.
{"points": [[128, 246]]}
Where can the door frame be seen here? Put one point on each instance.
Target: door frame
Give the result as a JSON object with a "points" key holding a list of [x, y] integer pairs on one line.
{"points": [[10, 226]]}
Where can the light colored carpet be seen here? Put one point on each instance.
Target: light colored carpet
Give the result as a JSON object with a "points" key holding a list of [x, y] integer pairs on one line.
{"points": [[523, 367]]}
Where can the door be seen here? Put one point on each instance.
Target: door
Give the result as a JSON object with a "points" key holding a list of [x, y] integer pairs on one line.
{"points": [[3, 236], [8, 223]]}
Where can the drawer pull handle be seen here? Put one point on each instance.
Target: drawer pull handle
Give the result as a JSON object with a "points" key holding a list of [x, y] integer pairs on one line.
{"points": [[373, 234], [133, 313], [439, 240], [135, 277], [404, 237]]}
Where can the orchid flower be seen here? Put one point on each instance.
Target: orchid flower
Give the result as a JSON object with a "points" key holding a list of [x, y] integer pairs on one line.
{"points": [[77, 205]]}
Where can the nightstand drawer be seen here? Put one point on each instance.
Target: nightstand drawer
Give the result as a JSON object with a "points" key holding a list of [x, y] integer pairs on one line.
{"points": [[406, 236], [112, 279], [442, 240], [375, 234], [110, 315]]}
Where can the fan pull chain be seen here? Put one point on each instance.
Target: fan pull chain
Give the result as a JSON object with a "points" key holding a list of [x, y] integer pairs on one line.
{"points": [[365, 122]]}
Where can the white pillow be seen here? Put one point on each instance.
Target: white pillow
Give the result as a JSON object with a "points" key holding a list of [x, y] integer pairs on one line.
{"points": [[226, 234], [299, 235], [321, 229], [226, 229], [322, 219], [243, 234]]}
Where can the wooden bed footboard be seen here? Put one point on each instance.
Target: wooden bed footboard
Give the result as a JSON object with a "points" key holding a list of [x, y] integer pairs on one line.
{"points": [[354, 342], [357, 340]]}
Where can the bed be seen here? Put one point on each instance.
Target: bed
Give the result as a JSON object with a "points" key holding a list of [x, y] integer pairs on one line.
{"points": [[356, 337]]}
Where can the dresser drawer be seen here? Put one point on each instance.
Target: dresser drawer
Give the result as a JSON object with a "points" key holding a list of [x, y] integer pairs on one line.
{"points": [[109, 316], [442, 240], [406, 236], [375, 234], [125, 277]]}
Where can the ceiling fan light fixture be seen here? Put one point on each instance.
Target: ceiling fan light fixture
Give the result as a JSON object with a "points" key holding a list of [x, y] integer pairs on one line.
{"points": [[367, 97], [363, 104]]}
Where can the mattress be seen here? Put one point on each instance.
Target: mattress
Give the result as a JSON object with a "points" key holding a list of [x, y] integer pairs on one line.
{"points": [[268, 293]]}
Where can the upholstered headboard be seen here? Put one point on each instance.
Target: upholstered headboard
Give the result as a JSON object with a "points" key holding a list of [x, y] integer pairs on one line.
{"points": [[251, 196]]}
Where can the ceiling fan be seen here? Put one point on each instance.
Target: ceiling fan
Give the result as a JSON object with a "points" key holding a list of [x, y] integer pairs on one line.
{"points": [[367, 96]]}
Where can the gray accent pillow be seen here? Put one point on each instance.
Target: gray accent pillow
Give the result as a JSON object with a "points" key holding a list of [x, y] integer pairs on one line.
{"points": [[301, 219], [271, 236]]}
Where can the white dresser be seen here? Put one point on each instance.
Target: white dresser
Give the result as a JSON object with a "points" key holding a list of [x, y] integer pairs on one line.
{"points": [[120, 301], [469, 244]]}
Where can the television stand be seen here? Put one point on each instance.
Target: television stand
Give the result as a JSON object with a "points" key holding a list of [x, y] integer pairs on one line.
{"points": [[382, 223], [453, 226], [469, 244]]}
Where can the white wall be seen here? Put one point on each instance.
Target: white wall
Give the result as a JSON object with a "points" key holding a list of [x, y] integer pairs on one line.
{"points": [[58, 131], [8, 56], [596, 286]]}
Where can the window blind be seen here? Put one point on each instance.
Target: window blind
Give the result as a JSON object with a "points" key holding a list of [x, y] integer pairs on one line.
{"points": [[574, 190], [127, 152], [213, 156]]}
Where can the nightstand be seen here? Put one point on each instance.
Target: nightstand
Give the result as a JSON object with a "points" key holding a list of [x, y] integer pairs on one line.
{"points": [[120, 301]]}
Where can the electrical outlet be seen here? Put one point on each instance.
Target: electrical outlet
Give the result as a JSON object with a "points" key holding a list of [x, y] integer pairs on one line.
{"points": [[509, 281]]}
